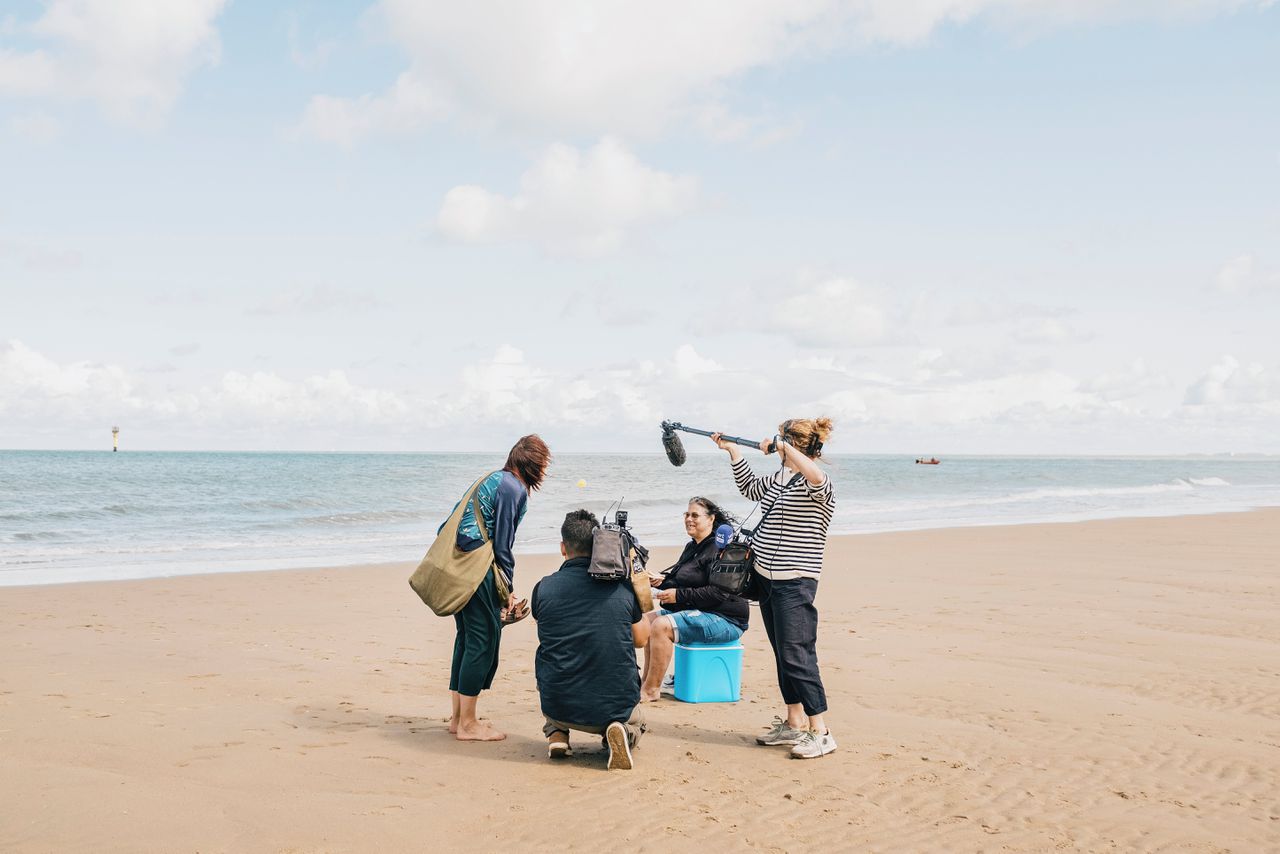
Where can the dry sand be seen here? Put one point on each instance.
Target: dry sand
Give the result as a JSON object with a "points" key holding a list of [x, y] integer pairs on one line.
{"points": [[1093, 686]]}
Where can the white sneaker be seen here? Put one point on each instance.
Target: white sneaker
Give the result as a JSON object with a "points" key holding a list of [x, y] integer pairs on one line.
{"points": [[619, 750], [780, 733], [811, 745]]}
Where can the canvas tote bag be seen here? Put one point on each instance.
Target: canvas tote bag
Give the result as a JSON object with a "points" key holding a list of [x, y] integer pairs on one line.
{"points": [[447, 576]]}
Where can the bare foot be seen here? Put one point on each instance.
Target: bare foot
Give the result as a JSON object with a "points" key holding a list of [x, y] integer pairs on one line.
{"points": [[479, 731], [650, 696], [453, 725]]}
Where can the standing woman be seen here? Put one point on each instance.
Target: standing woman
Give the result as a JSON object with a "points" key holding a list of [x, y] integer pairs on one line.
{"points": [[502, 498], [788, 546]]}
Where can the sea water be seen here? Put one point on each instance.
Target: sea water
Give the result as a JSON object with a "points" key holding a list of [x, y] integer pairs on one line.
{"points": [[73, 515]]}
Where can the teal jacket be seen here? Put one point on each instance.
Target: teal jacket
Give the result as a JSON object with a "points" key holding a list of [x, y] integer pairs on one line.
{"points": [[503, 501]]}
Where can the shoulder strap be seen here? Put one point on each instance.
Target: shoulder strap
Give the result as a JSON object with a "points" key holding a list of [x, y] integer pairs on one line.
{"points": [[475, 506], [794, 480]]}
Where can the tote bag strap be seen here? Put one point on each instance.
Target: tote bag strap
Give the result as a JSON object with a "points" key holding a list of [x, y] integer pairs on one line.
{"points": [[500, 580], [475, 509], [455, 518]]}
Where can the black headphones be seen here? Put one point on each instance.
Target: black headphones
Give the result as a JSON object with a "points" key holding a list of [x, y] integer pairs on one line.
{"points": [[815, 445]]}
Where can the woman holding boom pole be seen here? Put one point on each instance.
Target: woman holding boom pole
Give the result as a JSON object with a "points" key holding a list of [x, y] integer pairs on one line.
{"points": [[789, 544]]}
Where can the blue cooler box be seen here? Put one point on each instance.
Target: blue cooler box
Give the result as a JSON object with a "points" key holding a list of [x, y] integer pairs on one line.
{"points": [[709, 674]]}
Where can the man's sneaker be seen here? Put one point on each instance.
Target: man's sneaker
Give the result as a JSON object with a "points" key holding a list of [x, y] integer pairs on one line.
{"points": [[811, 745], [780, 733], [619, 751]]}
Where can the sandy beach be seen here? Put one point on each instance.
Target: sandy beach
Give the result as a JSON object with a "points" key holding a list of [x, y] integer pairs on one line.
{"points": [[1094, 686]]}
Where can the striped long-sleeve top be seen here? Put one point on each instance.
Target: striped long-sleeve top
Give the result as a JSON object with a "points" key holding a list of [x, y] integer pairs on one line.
{"points": [[791, 541]]}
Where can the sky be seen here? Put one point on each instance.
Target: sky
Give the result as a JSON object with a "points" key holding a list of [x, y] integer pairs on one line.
{"points": [[953, 226]]}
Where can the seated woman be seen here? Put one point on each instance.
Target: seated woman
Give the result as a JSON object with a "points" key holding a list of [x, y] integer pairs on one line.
{"points": [[690, 608]]}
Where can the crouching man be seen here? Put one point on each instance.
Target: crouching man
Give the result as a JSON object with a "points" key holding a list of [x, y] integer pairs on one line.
{"points": [[588, 632]]}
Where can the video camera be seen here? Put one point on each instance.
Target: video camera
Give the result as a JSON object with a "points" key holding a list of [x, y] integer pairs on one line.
{"points": [[615, 554]]}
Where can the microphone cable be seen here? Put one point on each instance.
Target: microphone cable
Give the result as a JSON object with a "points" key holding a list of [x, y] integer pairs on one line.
{"points": [[783, 486]]}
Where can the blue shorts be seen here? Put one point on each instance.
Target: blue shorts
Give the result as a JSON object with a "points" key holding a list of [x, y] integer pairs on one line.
{"points": [[701, 627]]}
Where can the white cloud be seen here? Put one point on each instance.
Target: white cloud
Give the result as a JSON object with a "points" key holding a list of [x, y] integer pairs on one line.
{"points": [[35, 127], [307, 58], [30, 74], [634, 68], [610, 307], [37, 256], [316, 299], [571, 202], [1243, 274], [691, 366], [1015, 397], [834, 312], [591, 67], [29, 379], [504, 387], [487, 402], [1044, 330], [491, 398], [265, 399], [984, 311], [409, 105], [1134, 380], [1228, 381], [129, 56], [38, 392], [508, 392]]}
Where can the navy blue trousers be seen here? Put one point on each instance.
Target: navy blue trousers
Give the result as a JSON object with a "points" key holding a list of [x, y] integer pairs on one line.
{"points": [[791, 621], [475, 649]]}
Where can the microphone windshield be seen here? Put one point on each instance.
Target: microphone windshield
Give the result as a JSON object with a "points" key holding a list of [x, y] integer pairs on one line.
{"points": [[724, 534], [672, 445]]}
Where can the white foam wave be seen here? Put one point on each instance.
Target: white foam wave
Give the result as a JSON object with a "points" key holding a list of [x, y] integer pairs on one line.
{"points": [[1083, 494]]}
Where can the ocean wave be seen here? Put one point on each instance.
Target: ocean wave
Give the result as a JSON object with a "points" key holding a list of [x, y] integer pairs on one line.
{"points": [[45, 515], [364, 517], [281, 504], [1176, 486], [35, 536], [65, 517], [224, 549]]}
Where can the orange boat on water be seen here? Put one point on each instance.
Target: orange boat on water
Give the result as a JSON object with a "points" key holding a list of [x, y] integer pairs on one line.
{"points": [[932, 461]]}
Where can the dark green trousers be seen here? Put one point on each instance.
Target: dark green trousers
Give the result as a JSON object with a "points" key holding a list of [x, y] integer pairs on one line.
{"points": [[475, 649]]}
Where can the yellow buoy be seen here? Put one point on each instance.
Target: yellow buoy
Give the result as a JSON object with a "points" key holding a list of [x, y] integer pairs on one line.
{"points": [[581, 483]]}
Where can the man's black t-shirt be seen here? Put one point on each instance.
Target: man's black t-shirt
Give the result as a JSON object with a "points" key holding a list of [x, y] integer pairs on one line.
{"points": [[586, 660]]}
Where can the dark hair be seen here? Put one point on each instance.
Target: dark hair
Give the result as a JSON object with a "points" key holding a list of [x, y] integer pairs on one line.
{"points": [[576, 530], [719, 516], [528, 460]]}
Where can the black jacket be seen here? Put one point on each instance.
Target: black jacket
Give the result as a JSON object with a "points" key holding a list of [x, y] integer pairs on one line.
{"points": [[690, 578]]}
